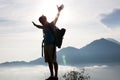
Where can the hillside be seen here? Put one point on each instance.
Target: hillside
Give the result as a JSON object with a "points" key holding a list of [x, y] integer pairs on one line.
{"points": [[98, 51]]}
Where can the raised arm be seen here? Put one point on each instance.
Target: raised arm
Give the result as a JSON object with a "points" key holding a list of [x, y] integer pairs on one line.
{"points": [[59, 10], [38, 26]]}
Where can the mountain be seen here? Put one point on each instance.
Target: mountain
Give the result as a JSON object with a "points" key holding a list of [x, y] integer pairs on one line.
{"points": [[39, 61], [98, 51], [113, 40], [14, 63], [101, 51], [68, 55]]}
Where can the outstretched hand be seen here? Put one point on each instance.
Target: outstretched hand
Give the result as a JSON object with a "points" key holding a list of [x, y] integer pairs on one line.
{"points": [[60, 7], [33, 23]]}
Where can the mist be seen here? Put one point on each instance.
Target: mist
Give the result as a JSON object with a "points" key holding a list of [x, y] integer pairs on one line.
{"points": [[96, 72]]}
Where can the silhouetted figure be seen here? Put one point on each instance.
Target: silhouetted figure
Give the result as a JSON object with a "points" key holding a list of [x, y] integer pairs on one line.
{"points": [[49, 46]]}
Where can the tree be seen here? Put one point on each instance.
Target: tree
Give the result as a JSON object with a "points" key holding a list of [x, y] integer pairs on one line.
{"points": [[76, 75]]}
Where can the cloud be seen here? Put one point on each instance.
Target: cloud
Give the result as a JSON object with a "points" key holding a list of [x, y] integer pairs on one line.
{"points": [[5, 21], [16, 16], [96, 67], [112, 20]]}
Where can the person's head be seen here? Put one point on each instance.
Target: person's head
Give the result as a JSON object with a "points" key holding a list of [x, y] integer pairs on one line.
{"points": [[43, 20]]}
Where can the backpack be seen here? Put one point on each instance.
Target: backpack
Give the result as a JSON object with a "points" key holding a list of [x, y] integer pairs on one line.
{"points": [[58, 35]]}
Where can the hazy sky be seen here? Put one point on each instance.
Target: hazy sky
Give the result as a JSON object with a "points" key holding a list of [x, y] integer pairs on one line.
{"points": [[85, 21]]}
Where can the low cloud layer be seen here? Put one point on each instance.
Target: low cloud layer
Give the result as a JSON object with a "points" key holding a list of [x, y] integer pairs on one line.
{"points": [[112, 20]]}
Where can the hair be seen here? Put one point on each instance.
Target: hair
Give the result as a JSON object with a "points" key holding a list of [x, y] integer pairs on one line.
{"points": [[42, 19]]}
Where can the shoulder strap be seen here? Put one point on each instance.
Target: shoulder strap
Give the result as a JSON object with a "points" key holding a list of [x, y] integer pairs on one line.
{"points": [[42, 47], [51, 29]]}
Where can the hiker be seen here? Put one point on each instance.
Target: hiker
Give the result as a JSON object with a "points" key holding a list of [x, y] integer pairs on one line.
{"points": [[49, 46]]}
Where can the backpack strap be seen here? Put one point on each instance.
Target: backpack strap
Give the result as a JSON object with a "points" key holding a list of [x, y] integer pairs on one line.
{"points": [[42, 48], [52, 27]]}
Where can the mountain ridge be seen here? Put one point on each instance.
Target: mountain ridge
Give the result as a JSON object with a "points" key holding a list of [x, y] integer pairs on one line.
{"points": [[113, 40], [98, 51]]}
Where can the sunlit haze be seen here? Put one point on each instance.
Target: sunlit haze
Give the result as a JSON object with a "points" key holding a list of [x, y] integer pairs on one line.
{"points": [[84, 20]]}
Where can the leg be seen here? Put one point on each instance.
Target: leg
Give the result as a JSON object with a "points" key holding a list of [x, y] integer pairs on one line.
{"points": [[56, 69], [50, 68]]}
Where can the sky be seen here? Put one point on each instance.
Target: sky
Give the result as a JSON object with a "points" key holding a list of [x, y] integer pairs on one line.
{"points": [[84, 20]]}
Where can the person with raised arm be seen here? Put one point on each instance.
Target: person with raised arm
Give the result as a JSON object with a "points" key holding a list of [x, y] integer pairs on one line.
{"points": [[49, 40]]}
